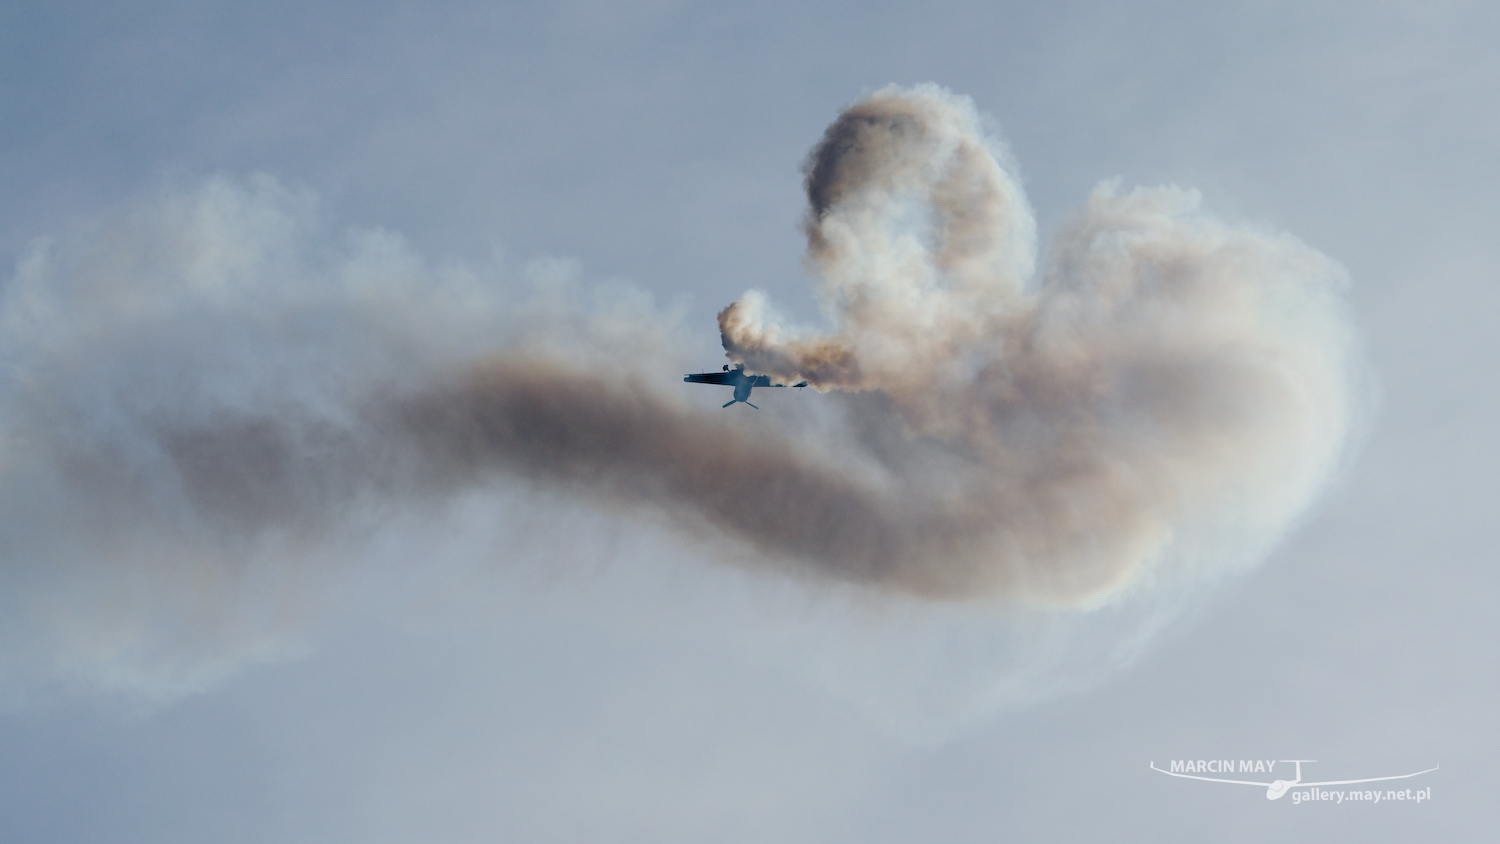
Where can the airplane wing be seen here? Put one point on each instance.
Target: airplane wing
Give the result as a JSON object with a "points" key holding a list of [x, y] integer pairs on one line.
{"points": [[710, 378], [1371, 779], [1211, 779], [731, 378]]}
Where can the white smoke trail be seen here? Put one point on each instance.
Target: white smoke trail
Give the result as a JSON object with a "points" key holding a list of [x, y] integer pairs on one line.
{"points": [[207, 401], [186, 472]]}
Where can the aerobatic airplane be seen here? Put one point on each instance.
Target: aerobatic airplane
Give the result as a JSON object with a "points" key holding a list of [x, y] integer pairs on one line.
{"points": [[742, 382]]}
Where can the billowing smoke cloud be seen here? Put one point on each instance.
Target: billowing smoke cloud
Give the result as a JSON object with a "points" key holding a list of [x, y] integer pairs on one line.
{"points": [[1050, 440], [206, 397]]}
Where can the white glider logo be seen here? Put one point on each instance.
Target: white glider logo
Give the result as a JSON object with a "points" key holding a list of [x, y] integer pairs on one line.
{"points": [[1276, 788]]}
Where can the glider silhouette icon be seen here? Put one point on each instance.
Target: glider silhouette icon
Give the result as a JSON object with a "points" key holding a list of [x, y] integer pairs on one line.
{"points": [[1276, 788]]}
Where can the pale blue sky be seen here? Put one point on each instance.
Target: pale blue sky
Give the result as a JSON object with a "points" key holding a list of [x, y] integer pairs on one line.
{"points": [[618, 689]]}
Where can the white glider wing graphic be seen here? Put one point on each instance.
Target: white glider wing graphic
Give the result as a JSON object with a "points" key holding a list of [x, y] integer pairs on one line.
{"points": [[1279, 787], [1371, 779]]}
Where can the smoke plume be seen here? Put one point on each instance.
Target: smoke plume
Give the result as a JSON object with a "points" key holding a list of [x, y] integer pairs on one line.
{"points": [[201, 398], [1050, 439]]}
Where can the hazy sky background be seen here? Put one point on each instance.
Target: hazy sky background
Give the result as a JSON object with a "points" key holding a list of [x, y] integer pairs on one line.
{"points": [[569, 678]]}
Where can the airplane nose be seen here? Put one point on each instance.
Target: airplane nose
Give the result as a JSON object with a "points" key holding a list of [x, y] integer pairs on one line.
{"points": [[1277, 789]]}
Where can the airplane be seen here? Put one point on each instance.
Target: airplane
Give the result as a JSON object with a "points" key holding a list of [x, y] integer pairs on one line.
{"points": [[1277, 788], [739, 379]]}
